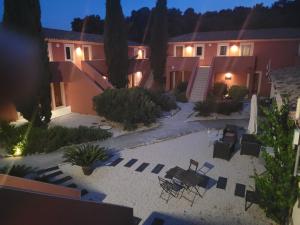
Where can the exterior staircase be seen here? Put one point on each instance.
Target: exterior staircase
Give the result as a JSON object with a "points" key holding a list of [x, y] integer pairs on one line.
{"points": [[200, 85]]}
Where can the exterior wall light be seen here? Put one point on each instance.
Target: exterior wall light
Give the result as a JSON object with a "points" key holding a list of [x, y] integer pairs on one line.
{"points": [[189, 50], [140, 54], [234, 49], [104, 77], [228, 76], [78, 52]]}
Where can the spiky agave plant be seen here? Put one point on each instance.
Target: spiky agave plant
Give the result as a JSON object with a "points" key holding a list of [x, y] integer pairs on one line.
{"points": [[85, 156]]}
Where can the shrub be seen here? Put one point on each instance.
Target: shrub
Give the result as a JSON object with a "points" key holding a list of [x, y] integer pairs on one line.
{"points": [[38, 139], [17, 170], [237, 93], [181, 87], [181, 97], [223, 107], [84, 155], [219, 90], [127, 106], [166, 101], [228, 107], [205, 108]]}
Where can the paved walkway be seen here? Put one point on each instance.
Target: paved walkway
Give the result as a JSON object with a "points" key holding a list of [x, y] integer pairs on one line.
{"points": [[170, 128]]}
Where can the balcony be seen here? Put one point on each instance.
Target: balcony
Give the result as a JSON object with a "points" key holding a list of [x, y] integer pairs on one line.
{"points": [[235, 64], [182, 63]]}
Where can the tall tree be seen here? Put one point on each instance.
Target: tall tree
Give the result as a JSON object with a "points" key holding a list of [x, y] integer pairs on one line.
{"points": [[115, 44], [159, 42], [24, 17], [91, 24], [277, 187]]}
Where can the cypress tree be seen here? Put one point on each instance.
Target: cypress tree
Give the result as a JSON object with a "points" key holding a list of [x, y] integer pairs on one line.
{"points": [[24, 17], [115, 44], [159, 42]]}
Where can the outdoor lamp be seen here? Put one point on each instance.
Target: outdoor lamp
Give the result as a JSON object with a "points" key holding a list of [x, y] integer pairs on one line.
{"points": [[228, 76], [140, 54], [104, 77], [234, 48], [189, 50], [78, 52]]}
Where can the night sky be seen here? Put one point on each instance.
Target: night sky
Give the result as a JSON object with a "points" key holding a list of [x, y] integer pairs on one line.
{"points": [[60, 13]]}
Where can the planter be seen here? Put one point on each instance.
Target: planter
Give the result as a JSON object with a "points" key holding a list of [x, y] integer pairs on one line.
{"points": [[87, 170]]}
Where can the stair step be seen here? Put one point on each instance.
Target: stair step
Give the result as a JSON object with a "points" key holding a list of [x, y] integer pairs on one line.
{"points": [[62, 180], [52, 175], [39, 172], [72, 185]]}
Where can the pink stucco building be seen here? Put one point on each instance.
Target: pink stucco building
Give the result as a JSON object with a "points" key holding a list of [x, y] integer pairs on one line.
{"points": [[242, 57]]}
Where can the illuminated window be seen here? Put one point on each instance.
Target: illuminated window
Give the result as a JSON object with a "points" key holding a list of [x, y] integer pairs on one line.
{"points": [[246, 49], [140, 53], [69, 49]]}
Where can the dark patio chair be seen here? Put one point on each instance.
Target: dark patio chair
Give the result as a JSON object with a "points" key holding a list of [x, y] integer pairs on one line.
{"points": [[170, 189], [252, 198], [250, 145], [223, 150], [230, 134], [194, 164]]}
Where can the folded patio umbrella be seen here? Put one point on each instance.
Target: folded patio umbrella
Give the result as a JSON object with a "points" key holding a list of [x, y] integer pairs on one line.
{"points": [[252, 127]]}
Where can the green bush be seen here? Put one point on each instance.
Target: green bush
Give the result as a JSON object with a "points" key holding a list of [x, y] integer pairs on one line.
{"points": [[205, 108], [17, 170], [127, 106], [209, 106], [219, 90], [238, 93], [166, 101], [84, 155], [39, 140], [181, 97], [228, 107], [181, 87]]}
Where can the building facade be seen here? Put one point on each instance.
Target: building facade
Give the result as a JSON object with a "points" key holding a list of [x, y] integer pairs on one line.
{"points": [[245, 57], [234, 57]]}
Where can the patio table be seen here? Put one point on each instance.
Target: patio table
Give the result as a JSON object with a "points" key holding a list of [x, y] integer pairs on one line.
{"points": [[189, 178]]}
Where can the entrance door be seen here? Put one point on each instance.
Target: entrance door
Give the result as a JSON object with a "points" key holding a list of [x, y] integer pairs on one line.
{"points": [[86, 53], [176, 78], [57, 95]]}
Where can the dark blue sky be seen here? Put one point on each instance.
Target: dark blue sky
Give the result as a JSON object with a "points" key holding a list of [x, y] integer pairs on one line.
{"points": [[59, 13]]}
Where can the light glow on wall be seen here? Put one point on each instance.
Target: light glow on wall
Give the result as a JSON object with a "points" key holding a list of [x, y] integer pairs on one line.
{"points": [[78, 52], [228, 76], [140, 54], [234, 49], [189, 51]]}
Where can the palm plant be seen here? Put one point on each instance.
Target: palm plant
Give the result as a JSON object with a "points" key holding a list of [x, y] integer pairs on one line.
{"points": [[85, 156], [17, 170]]}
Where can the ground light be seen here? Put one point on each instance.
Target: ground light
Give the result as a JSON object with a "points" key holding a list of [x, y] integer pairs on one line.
{"points": [[18, 149]]}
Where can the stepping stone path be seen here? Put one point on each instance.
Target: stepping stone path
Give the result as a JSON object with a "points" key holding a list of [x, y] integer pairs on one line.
{"points": [[116, 162], [130, 163], [142, 167], [222, 183], [240, 190], [157, 168]]}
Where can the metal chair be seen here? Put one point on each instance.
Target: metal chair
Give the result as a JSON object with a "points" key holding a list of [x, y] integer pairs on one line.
{"points": [[251, 197], [169, 188], [194, 164]]}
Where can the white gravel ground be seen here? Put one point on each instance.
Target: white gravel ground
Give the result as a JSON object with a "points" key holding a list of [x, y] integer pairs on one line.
{"points": [[124, 186]]}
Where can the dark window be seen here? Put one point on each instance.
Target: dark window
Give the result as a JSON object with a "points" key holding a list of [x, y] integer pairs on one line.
{"points": [[68, 53], [223, 50], [199, 51], [179, 51]]}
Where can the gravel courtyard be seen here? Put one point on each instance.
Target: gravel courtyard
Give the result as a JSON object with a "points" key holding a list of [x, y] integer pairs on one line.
{"points": [[141, 190]]}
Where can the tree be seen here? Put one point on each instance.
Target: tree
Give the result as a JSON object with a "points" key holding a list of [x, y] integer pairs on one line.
{"points": [[24, 17], [91, 24], [115, 44], [277, 187], [159, 42]]}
